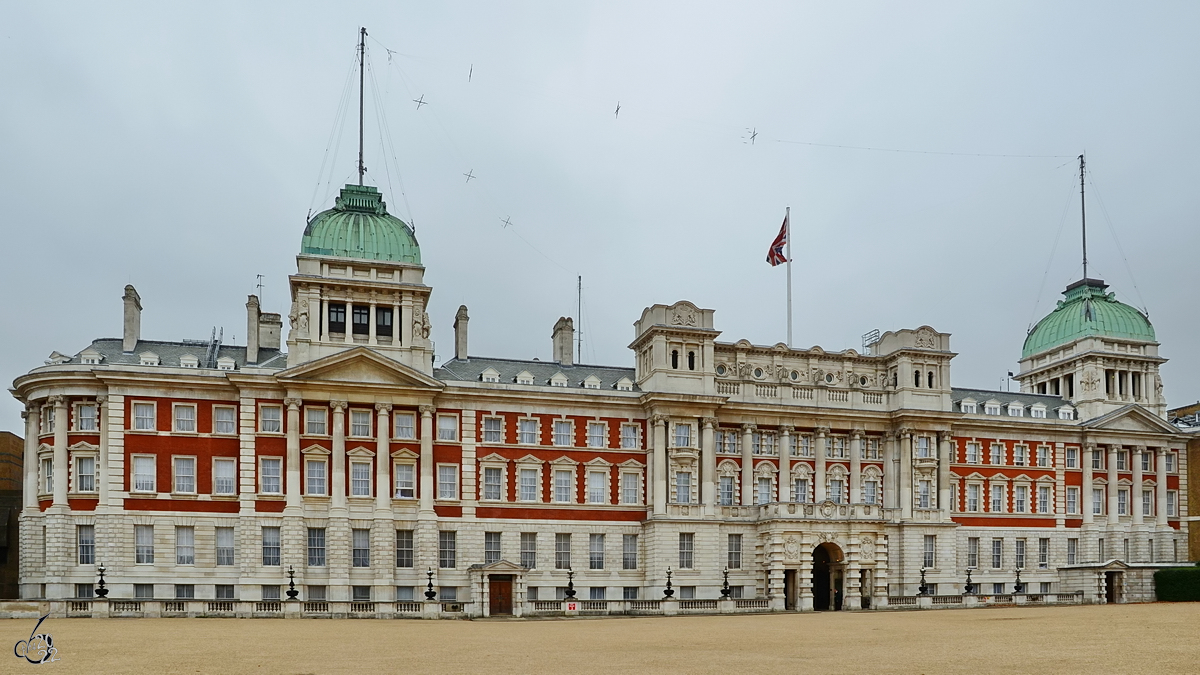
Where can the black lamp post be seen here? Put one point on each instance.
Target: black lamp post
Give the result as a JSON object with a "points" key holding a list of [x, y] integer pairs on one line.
{"points": [[570, 592], [430, 594], [101, 591], [969, 588], [668, 591], [725, 585], [292, 592], [1018, 587], [923, 589]]}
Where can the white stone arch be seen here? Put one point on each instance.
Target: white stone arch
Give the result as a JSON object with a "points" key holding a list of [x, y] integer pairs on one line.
{"points": [[728, 468]]}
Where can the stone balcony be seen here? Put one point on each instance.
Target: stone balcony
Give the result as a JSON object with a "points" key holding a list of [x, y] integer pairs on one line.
{"points": [[788, 394]]}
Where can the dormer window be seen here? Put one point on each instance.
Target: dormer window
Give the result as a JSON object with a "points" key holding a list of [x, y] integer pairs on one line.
{"points": [[524, 377], [1066, 413], [189, 361], [1037, 410], [225, 363], [969, 406], [559, 380], [490, 375], [1015, 409], [991, 408], [624, 384], [90, 357], [591, 382], [148, 359]]}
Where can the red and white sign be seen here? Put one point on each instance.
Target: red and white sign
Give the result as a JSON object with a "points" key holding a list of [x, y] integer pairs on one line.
{"points": [[572, 606]]}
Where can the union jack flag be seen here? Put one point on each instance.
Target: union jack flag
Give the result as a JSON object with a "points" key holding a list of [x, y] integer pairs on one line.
{"points": [[775, 255]]}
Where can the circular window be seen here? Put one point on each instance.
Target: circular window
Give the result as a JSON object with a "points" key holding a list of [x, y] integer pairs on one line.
{"points": [[829, 377], [758, 372], [795, 375], [863, 380], [720, 370]]}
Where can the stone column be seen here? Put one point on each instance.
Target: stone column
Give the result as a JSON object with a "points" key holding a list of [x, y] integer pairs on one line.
{"points": [[372, 339], [1085, 499], [748, 464], [1135, 498], [822, 451], [33, 426], [856, 447], [397, 333], [659, 494], [102, 468], [1113, 518], [945, 453], [323, 308], [348, 336], [294, 468], [337, 482], [61, 469], [708, 458], [785, 463], [427, 485], [891, 487], [1160, 489], [906, 459], [383, 457]]}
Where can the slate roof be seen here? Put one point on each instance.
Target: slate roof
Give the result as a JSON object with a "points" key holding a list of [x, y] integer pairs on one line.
{"points": [[982, 396], [471, 369], [169, 353]]}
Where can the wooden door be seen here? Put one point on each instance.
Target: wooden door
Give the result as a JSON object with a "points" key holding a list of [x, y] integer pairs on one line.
{"points": [[499, 594]]}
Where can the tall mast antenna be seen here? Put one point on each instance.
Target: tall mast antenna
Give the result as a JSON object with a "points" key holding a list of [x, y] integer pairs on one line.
{"points": [[363, 53], [1083, 216], [579, 313]]}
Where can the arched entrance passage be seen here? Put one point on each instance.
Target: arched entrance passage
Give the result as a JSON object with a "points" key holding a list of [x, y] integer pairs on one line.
{"points": [[827, 580]]}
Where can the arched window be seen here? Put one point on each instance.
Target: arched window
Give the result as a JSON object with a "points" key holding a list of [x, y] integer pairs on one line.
{"points": [[675, 359], [691, 360], [930, 376], [916, 378], [893, 380]]}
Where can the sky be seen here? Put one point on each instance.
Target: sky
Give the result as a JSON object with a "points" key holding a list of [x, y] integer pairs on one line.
{"points": [[928, 152]]}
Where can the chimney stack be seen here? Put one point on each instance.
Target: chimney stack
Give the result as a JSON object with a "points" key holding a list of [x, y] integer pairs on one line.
{"points": [[133, 319], [563, 337], [252, 314], [460, 332]]}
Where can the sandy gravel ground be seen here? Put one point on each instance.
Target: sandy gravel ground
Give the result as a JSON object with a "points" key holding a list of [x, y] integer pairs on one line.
{"points": [[1152, 638]]}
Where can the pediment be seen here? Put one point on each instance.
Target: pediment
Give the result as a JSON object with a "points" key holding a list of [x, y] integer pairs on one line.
{"points": [[598, 461], [494, 458], [632, 463], [315, 450], [405, 453], [360, 451], [360, 366], [499, 567], [529, 459], [83, 446], [564, 460], [1131, 418]]}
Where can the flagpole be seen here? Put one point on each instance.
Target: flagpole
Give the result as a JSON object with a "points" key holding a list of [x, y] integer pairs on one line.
{"points": [[788, 234]]}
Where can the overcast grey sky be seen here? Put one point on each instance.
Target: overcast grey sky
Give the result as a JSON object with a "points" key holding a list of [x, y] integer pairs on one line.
{"points": [[179, 148]]}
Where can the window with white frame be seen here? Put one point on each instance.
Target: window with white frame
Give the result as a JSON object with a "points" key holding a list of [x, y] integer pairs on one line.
{"points": [[1169, 458], [629, 551], [527, 431], [360, 547], [929, 550], [1038, 412], [1044, 500], [270, 419], [1020, 554], [1097, 460], [85, 539], [924, 488], [48, 418], [687, 550], [562, 550], [726, 491], [185, 418], [683, 435], [923, 447], [837, 447], [47, 483], [629, 436], [529, 550], [224, 546], [871, 448], [733, 552], [1043, 553], [492, 477], [997, 554], [997, 454], [1072, 500], [491, 547], [1072, 550], [143, 417], [806, 446], [1021, 499], [1020, 455], [1043, 456], [224, 419], [997, 505], [315, 421], [405, 425], [270, 546], [969, 407], [447, 427], [972, 453], [1148, 503], [597, 487], [800, 489], [1122, 460], [1065, 413], [1072, 458], [360, 479], [405, 549], [447, 481], [683, 487], [972, 552], [991, 408], [493, 430], [85, 417], [972, 497], [1122, 502], [224, 476], [870, 490], [563, 433], [1016, 410], [406, 480], [630, 492], [837, 491], [185, 545], [360, 423], [1172, 501], [143, 473], [764, 490], [185, 475], [529, 485], [1097, 501], [564, 485], [85, 474], [271, 476], [143, 544], [596, 551], [316, 476], [596, 433]]}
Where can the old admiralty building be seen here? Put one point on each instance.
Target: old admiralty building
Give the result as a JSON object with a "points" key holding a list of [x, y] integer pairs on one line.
{"points": [[801, 478]]}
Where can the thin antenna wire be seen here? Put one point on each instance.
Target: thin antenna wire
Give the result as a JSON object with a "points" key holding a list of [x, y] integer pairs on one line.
{"points": [[1113, 231], [1062, 221], [362, 58], [1083, 216], [335, 135], [579, 317]]}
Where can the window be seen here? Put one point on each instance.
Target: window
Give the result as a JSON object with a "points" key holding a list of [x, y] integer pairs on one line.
{"points": [[1145, 461], [225, 546], [383, 322], [491, 482], [1043, 499], [972, 497], [406, 425], [316, 547], [923, 446], [764, 489], [143, 417], [224, 473], [929, 558], [85, 540], [629, 593], [597, 593], [360, 479], [629, 488], [529, 550], [991, 408], [143, 474], [225, 591], [629, 551], [360, 423], [491, 547], [726, 487], [1147, 503], [447, 428], [272, 470], [1043, 553], [683, 435], [529, 485], [85, 417], [1015, 410], [493, 430], [224, 419], [837, 491], [270, 593], [360, 319], [315, 421], [596, 551], [1020, 455], [406, 481], [1044, 587], [85, 474], [683, 487], [997, 454], [629, 436], [316, 476], [143, 591], [1072, 500], [562, 432], [597, 487], [1122, 502], [447, 549], [527, 432], [1072, 551], [687, 550], [1043, 458], [998, 589], [1020, 554], [1072, 458], [1037, 412], [997, 499], [185, 475], [997, 553], [563, 484], [923, 497], [270, 546], [562, 550], [405, 551], [733, 557], [48, 474], [1097, 501], [972, 453], [1172, 499], [799, 489], [271, 419], [1169, 458], [1097, 460], [185, 545], [973, 552], [185, 591], [1020, 499], [969, 407], [871, 492], [185, 418], [596, 433], [1100, 547], [143, 536], [337, 317], [447, 481]]}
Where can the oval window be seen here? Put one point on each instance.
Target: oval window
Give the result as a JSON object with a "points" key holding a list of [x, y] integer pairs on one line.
{"points": [[795, 375], [758, 372], [720, 370], [829, 377], [862, 381]]}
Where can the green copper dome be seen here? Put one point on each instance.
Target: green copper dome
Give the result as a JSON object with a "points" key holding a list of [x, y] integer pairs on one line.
{"points": [[1087, 310], [359, 226]]}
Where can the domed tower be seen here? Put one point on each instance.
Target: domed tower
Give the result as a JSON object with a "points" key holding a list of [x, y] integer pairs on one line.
{"points": [[359, 281], [1096, 352]]}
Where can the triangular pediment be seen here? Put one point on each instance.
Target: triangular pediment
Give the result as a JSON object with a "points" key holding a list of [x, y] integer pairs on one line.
{"points": [[359, 366], [315, 450], [405, 453], [529, 459], [494, 458], [499, 567], [632, 463], [1131, 418]]}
